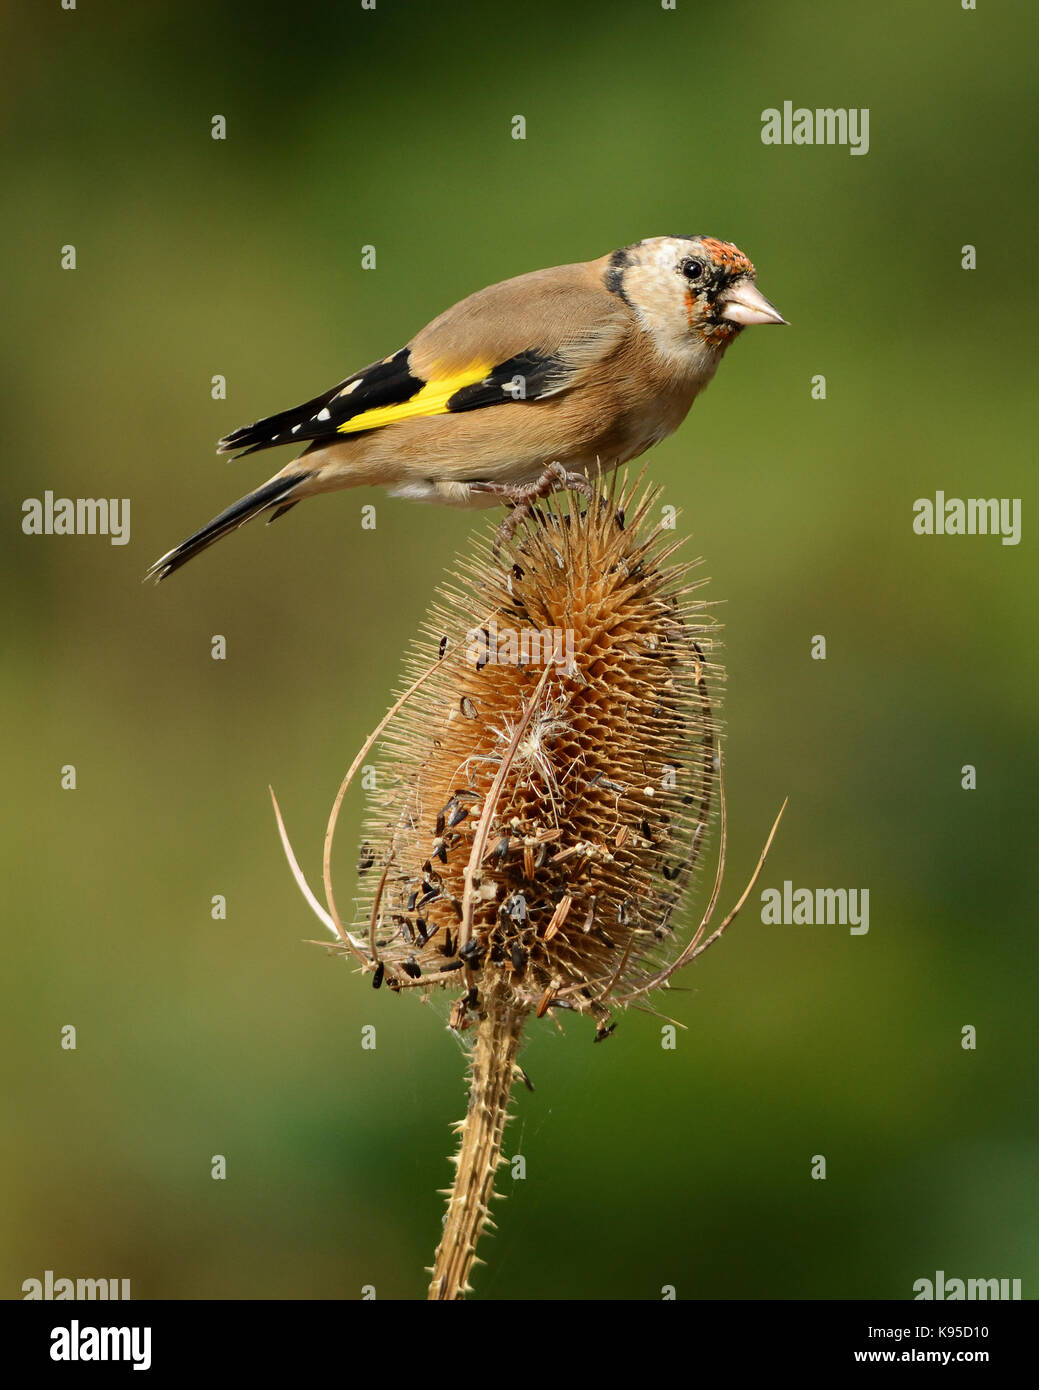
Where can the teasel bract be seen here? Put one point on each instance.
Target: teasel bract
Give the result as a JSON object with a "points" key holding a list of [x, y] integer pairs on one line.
{"points": [[545, 784]]}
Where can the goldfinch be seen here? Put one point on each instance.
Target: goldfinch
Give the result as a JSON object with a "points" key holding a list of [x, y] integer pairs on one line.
{"points": [[545, 378]]}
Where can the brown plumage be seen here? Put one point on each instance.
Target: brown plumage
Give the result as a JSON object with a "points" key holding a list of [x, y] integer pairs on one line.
{"points": [[581, 367]]}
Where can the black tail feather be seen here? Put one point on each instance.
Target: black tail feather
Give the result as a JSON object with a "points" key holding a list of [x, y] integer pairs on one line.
{"points": [[293, 426], [275, 491], [280, 511]]}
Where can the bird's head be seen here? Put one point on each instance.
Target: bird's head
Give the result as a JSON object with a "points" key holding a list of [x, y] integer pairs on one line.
{"points": [[693, 294]]}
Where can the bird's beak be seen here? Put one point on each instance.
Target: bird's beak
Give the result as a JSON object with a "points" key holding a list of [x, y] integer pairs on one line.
{"points": [[743, 303]]}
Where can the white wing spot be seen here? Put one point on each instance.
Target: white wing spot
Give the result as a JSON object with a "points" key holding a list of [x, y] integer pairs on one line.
{"points": [[296, 428], [325, 414], [352, 386]]}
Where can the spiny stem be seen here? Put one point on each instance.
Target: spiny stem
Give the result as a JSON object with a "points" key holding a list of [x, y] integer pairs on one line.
{"points": [[492, 1068]]}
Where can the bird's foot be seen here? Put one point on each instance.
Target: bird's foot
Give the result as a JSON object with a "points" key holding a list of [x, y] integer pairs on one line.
{"points": [[523, 496]]}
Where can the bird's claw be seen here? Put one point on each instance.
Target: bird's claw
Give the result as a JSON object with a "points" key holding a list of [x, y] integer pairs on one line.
{"points": [[523, 496]]}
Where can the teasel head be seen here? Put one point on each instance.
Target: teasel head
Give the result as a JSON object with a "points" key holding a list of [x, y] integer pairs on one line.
{"points": [[545, 785]]}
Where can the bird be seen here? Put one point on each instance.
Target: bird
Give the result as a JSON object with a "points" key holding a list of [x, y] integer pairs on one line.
{"points": [[538, 381]]}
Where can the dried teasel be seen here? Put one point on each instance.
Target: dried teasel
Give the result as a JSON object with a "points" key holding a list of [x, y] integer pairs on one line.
{"points": [[546, 783]]}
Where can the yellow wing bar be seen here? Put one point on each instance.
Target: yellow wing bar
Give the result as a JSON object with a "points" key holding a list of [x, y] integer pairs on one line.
{"points": [[432, 399]]}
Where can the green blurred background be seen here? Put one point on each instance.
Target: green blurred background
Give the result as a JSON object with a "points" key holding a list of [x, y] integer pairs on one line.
{"points": [[243, 257]]}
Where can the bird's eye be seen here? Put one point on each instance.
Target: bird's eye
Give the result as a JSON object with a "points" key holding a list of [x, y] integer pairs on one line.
{"points": [[692, 269]]}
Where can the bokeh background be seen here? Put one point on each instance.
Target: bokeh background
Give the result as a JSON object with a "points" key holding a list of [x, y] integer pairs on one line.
{"points": [[197, 1037]]}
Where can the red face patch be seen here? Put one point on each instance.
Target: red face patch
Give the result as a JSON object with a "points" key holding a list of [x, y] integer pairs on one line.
{"points": [[730, 257], [717, 334]]}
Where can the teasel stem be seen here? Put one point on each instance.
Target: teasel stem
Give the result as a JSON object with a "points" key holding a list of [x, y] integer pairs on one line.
{"points": [[492, 1068]]}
